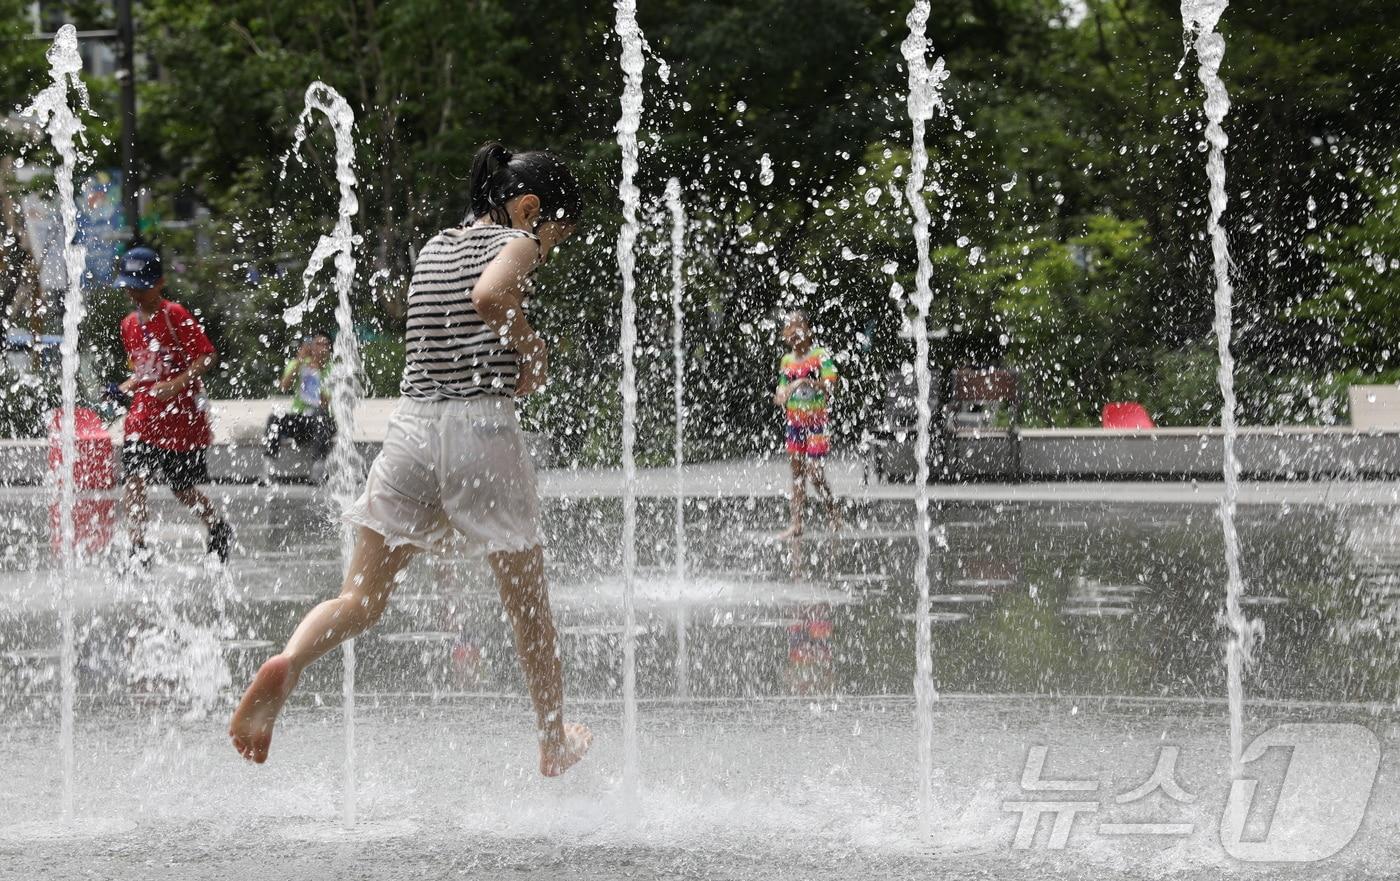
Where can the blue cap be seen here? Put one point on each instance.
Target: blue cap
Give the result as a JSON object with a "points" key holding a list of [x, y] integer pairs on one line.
{"points": [[140, 269]]}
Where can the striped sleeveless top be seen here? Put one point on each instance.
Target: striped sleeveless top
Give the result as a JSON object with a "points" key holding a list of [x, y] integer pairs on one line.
{"points": [[451, 353]]}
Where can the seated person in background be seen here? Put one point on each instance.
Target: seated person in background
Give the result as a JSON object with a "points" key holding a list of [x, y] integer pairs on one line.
{"points": [[307, 420]]}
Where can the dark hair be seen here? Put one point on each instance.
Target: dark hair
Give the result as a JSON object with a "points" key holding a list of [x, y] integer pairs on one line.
{"points": [[499, 175]]}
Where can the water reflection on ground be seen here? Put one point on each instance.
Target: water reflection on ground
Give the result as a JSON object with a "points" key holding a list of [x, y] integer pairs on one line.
{"points": [[1074, 598]]}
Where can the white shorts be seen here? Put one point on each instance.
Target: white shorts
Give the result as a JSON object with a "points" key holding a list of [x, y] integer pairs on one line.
{"points": [[453, 473]]}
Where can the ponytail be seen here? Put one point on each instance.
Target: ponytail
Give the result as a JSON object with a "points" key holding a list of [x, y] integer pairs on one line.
{"points": [[499, 176], [486, 166]]}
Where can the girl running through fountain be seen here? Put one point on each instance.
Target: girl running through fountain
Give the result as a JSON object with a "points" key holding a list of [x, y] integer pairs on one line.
{"points": [[806, 378], [454, 459]]}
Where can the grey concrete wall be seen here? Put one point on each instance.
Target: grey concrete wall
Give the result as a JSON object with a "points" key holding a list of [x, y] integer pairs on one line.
{"points": [[1264, 453], [25, 462]]}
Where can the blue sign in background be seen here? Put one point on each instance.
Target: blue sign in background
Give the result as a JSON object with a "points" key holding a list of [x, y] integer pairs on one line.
{"points": [[101, 224]]}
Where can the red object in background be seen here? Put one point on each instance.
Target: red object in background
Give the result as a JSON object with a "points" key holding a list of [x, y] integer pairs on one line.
{"points": [[1126, 414], [95, 472]]}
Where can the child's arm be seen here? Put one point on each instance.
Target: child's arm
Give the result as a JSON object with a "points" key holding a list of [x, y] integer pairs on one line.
{"points": [[780, 397], [189, 336], [176, 384], [499, 297], [287, 373], [128, 385], [828, 373]]}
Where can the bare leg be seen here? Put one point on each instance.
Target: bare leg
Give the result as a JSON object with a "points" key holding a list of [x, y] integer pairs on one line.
{"points": [[363, 596], [199, 503], [799, 496], [797, 560], [134, 500], [520, 576], [817, 473]]}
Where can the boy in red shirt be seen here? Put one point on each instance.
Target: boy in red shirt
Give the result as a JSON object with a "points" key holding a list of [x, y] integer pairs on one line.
{"points": [[167, 425]]}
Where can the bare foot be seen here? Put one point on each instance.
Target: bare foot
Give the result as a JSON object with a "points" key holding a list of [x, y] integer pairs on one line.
{"points": [[793, 531], [557, 758], [251, 727]]}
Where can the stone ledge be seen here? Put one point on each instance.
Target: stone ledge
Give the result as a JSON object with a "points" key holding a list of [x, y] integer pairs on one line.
{"points": [[25, 462]]}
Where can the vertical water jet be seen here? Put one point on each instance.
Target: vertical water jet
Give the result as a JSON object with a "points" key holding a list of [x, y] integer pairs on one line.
{"points": [[1200, 18], [347, 388], [677, 210], [633, 62], [924, 82], [51, 111]]}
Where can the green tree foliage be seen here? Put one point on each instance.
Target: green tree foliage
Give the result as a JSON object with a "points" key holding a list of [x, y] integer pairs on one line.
{"points": [[1068, 316], [1068, 190], [1361, 308]]}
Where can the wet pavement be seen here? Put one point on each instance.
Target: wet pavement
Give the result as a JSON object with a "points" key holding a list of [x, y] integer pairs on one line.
{"points": [[777, 731], [729, 789]]}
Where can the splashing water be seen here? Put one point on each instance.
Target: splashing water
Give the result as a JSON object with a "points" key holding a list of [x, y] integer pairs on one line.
{"points": [[346, 465], [633, 63], [185, 657], [924, 83], [677, 210], [52, 112], [1200, 18]]}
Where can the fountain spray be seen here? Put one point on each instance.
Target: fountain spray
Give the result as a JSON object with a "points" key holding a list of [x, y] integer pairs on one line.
{"points": [[633, 63], [1200, 18], [677, 210], [346, 465], [52, 112], [924, 83]]}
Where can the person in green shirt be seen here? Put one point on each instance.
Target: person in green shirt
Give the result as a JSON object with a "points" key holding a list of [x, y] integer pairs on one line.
{"points": [[308, 420]]}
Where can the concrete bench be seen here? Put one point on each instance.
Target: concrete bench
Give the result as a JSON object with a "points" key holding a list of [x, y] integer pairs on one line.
{"points": [[236, 456], [1375, 407], [242, 422], [1264, 452], [238, 436]]}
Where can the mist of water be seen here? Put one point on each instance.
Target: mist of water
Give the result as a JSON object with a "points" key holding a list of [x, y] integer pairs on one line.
{"points": [[633, 62], [346, 383], [924, 82], [51, 111], [677, 211], [1200, 18]]}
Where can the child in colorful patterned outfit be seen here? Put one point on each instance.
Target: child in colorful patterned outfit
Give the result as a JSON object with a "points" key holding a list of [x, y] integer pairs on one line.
{"points": [[807, 375]]}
